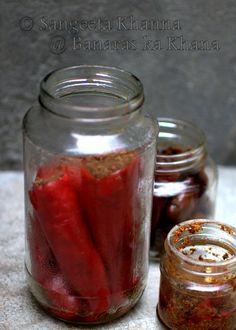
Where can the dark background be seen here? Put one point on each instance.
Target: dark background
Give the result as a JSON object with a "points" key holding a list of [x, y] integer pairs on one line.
{"points": [[197, 85]]}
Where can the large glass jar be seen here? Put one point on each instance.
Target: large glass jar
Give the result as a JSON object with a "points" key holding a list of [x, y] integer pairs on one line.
{"points": [[185, 180], [198, 277], [89, 160]]}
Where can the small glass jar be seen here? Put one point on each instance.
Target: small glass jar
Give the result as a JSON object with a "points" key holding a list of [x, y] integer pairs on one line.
{"points": [[185, 180], [89, 155], [198, 277]]}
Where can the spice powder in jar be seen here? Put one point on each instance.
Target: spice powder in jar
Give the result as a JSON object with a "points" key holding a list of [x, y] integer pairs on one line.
{"points": [[185, 180], [198, 277]]}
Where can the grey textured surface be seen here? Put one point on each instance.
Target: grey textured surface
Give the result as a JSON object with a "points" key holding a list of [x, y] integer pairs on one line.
{"points": [[195, 85], [17, 308]]}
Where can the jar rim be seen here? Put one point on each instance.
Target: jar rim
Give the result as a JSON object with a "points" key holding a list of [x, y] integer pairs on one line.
{"points": [[173, 122], [168, 129], [105, 76], [183, 226]]}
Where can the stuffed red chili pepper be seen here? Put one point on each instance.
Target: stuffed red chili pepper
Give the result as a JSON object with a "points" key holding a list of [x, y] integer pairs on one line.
{"points": [[43, 262], [57, 207], [46, 272], [109, 195]]}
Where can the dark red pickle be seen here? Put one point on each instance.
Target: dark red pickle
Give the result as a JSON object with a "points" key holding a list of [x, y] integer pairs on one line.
{"points": [[184, 182]]}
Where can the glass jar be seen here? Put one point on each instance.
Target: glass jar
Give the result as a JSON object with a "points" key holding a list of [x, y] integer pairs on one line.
{"points": [[198, 277], [185, 180], [89, 155]]}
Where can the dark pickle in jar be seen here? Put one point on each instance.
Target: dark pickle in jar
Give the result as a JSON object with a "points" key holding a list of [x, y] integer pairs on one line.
{"points": [[184, 184], [198, 277]]}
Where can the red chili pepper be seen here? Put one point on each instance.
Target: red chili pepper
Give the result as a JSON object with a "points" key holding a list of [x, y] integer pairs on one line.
{"points": [[43, 262], [109, 203], [45, 271], [63, 303], [132, 238], [56, 204]]}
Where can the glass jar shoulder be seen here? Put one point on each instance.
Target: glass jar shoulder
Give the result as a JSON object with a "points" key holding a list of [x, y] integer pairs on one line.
{"points": [[71, 137]]}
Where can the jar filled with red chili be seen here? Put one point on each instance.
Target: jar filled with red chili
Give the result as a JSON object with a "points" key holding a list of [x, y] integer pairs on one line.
{"points": [[185, 180], [198, 277], [89, 155]]}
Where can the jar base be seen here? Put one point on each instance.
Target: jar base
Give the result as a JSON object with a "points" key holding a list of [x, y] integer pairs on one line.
{"points": [[128, 300], [160, 319]]}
